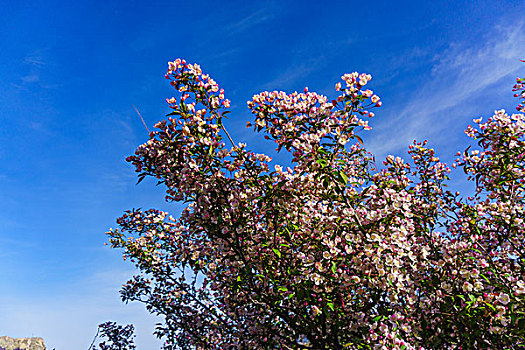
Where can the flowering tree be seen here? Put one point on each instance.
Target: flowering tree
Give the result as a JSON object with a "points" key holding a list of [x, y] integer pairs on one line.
{"points": [[331, 252]]}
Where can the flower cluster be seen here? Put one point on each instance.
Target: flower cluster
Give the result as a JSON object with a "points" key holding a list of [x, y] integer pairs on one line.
{"points": [[331, 252], [519, 88], [306, 121]]}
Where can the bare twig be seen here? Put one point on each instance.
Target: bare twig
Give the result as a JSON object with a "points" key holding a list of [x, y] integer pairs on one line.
{"points": [[141, 118], [95, 338], [227, 134]]}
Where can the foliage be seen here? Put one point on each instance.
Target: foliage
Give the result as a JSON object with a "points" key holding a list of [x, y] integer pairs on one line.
{"points": [[117, 337], [332, 252]]}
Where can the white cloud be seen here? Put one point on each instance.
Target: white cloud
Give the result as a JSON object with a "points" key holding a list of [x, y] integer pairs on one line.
{"points": [[255, 18], [36, 59], [35, 63], [461, 74], [290, 75], [30, 78]]}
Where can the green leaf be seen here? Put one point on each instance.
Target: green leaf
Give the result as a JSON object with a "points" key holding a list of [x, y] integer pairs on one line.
{"points": [[485, 277], [491, 306], [343, 177], [277, 252], [322, 163], [331, 306], [334, 267]]}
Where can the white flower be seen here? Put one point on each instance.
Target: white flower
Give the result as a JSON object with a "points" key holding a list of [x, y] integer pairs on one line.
{"points": [[467, 287], [504, 298], [520, 288]]}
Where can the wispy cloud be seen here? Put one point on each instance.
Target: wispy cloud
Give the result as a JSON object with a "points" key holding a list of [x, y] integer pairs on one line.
{"points": [[460, 74], [255, 18], [34, 64], [30, 78], [293, 73], [35, 59]]}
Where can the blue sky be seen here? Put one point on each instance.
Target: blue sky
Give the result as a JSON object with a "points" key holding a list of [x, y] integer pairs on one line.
{"points": [[71, 73]]}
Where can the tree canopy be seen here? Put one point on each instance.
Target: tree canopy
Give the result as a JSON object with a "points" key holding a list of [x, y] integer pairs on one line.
{"points": [[333, 251]]}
